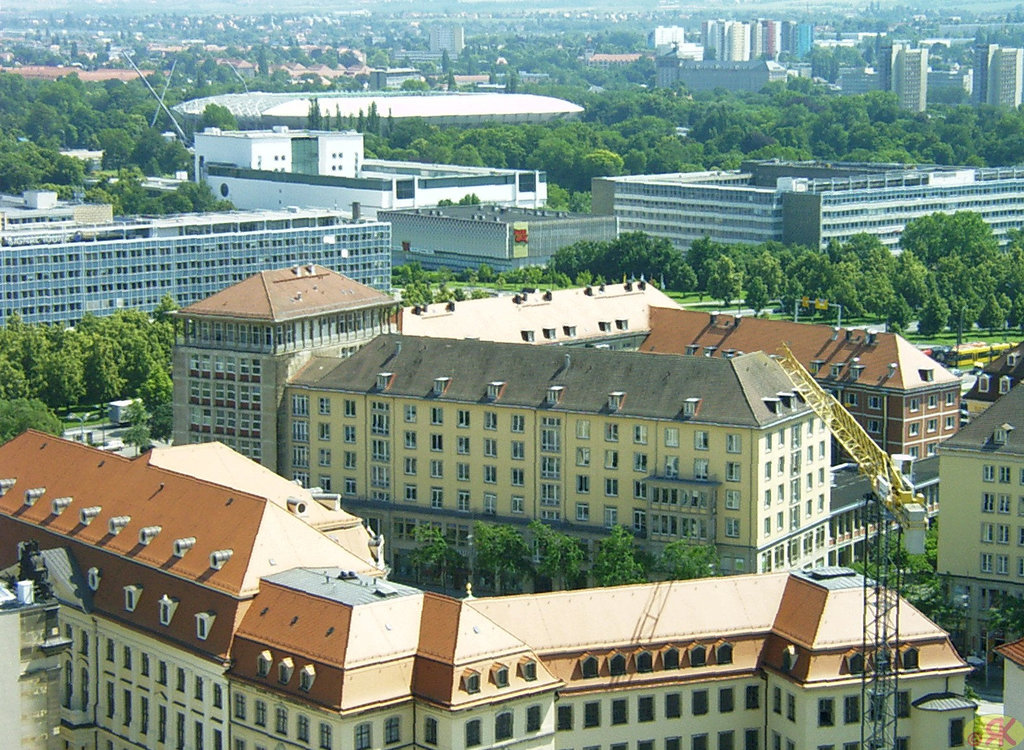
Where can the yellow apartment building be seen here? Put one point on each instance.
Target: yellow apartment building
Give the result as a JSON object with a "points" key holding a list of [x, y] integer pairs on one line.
{"points": [[981, 537], [412, 430]]}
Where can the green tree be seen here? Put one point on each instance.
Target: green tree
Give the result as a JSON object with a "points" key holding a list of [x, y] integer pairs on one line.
{"points": [[434, 556], [21, 414], [993, 315], [503, 552], [161, 422], [138, 434], [217, 116], [757, 294], [934, 314], [725, 282], [617, 561], [561, 556], [681, 560], [101, 371]]}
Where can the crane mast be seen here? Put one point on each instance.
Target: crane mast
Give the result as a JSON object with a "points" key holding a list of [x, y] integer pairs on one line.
{"points": [[892, 502]]}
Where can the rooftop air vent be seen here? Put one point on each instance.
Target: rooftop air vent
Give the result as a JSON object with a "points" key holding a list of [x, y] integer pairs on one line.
{"points": [[117, 524], [33, 494], [183, 545], [5, 485], [60, 504], [219, 557], [148, 533], [298, 507], [88, 514]]}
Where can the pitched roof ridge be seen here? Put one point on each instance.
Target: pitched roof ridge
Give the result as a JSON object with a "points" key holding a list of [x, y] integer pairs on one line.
{"points": [[267, 294]]}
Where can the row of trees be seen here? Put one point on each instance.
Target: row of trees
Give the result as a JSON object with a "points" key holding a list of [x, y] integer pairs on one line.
{"points": [[506, 558], [125, 355], [951, 273]]}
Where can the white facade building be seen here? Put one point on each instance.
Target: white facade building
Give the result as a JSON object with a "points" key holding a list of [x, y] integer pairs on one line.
{"points": [[279, 168]]}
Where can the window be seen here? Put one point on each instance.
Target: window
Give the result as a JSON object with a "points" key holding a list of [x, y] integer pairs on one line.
{"points": [[564, 721], [503, 726], [392, 730], [698, 656], [617, 665], [260, 713], [700, 468], [533, 719], [726, 700], [699, 742], [430, 730], [726, 740], [826, 712], [302, 728], [733, 443], [281, 720], [363, 736], [851, 709], [326, 736], [956, 732], [591, 714], [790, 706], [473, 733], [753, 697], [699, 702], [620, 713], [673, 705], [671, 437], [583, 510], [700, 440], [732, 527]]}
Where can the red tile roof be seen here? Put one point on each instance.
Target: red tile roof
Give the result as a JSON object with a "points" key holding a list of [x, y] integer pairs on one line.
{"points": [[287, 294], [672, 331]]}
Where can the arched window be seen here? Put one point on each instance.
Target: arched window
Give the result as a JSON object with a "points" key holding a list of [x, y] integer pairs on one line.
{"points": [[644, 662], [671, 659], [588, 667], [910, 659], [698, 656], [617, 665]]}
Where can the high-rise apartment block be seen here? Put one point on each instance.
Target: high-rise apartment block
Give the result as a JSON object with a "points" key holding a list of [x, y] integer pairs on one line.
{"points": [[904, 70], [998, 75], [447, 37], [237, 349]]}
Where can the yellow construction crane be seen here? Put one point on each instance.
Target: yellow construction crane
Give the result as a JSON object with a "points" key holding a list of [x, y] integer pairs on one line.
{"points": [[892, 503]]}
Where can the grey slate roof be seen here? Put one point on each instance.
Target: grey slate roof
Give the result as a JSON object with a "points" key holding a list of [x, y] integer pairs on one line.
{"points": [[341, 586], [1009, 411], [731, 391]]}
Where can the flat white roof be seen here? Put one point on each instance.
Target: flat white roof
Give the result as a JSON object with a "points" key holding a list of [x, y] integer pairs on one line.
{"points": [[448, 104]]}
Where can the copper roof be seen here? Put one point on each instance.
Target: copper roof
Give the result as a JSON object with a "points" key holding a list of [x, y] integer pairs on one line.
{"points": [[287, 294], [673, 331]]}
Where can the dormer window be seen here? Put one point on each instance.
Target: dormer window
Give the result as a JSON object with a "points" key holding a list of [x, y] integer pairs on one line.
{"points": [[494, 389], [1004, 384], [132, 593], [499, 675], [617, 665], [671, 659], [263, 662], [605, 326], [723, 655], [692, 348], [983, 383], [855, 371], [306, 677], [789, 658], [93, 578], [285, 669], [1001, 434], [836, 370], [910, 658], [441, 385], [927, 375], [471, 682], [384, 380], [644, 662], [622, 324], [528, 670], [690, 407], [615, 399], [698, 656], [569, 331], [168, 605], [554, 394], [855, 663], [1012, 359], [588, 667], [816, 365], [549, 333], [204, 623]]}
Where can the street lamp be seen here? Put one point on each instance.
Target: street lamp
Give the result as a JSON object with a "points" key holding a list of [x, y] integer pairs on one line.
{"points": [[82, 418]]}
